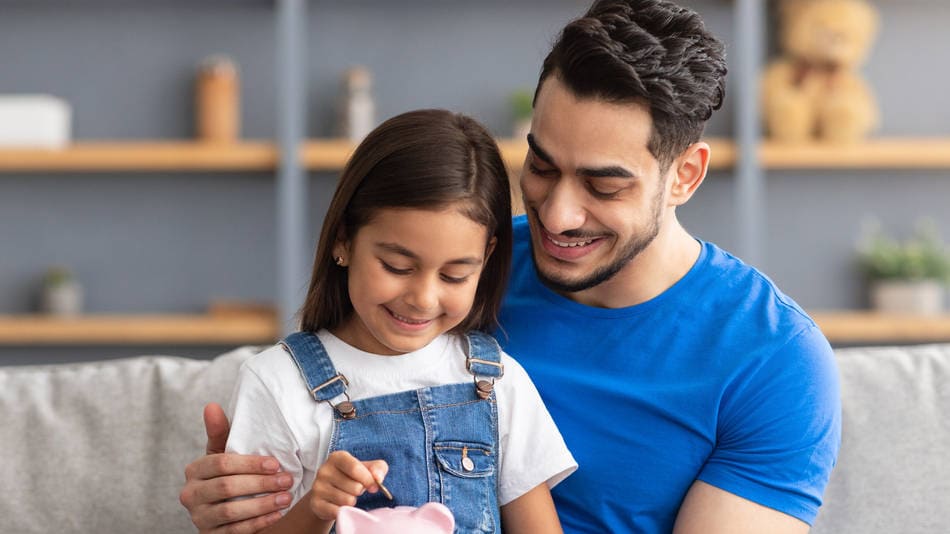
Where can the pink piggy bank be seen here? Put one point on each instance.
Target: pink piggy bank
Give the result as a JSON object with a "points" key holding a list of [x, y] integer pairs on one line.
{"points": [[430, 518]]}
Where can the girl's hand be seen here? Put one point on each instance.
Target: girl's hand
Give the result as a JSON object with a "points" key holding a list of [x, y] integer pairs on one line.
{"points": [[340, 480]]}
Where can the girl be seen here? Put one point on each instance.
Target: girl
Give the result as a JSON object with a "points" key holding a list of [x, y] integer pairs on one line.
{"points": [[393, 388]]}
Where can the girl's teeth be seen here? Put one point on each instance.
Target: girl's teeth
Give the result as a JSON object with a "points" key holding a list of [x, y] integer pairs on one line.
{"points": [[406, 319]]}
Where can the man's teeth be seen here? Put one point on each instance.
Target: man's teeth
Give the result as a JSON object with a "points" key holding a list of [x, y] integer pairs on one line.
{"points": [[572, 245]]}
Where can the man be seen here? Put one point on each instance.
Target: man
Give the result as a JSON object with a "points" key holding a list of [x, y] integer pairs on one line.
{"points": [[695, 396]]}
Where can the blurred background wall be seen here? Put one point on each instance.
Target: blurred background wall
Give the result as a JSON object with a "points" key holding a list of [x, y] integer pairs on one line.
{"points": [[171, 242]]}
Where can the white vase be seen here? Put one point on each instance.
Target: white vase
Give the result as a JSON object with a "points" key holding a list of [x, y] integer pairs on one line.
{"points": [[924, 297], [63, 299]]}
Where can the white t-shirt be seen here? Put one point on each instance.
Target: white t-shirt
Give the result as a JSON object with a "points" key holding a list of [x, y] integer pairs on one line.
{"points": [[272, 412]]}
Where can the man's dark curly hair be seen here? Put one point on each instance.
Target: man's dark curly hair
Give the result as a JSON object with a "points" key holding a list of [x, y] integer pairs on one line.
{"points": [[648, 51]]}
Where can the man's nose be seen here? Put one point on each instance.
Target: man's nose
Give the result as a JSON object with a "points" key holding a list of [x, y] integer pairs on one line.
{"points": [[563, 209]]}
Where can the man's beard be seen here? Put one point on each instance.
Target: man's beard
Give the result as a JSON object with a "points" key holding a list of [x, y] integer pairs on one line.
{"points": [[603, 274]]}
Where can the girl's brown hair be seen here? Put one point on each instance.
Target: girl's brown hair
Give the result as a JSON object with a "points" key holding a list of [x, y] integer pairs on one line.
{"points": [[427, 159]]}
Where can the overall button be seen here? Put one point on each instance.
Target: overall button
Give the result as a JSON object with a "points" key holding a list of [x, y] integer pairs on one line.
{"points": [[483, 389], [467, 464], [346, 410]]}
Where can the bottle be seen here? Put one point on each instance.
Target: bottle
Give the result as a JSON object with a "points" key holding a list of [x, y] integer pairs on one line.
{"points": [[357, 109], [217, 101]]}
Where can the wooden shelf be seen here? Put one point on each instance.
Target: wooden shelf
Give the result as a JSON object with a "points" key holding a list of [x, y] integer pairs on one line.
{"points": [[331, 154], [260, 328], [198, 329], [871, 327], [142, 156], [883, 153], [723, 153], [316, 155], [326, 154]]}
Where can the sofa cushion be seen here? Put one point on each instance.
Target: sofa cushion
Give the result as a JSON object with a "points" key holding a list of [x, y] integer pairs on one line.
{"points": [[892, 474], [101, 446]]}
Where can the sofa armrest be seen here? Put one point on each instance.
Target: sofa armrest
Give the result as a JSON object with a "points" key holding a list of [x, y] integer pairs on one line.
{"points": [[101, 446]]}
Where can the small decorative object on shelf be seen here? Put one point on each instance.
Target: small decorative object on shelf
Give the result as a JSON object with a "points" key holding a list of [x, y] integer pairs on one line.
{"points": [[522, 107], [813, 91], [218, 101], [357, 111], [908, 276], [34, 121], [62, 294]]}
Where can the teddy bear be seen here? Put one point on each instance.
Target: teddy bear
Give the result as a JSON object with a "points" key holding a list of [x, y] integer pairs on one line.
{"points": [[813, 91]]}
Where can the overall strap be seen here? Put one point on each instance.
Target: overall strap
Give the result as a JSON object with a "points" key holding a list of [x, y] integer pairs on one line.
{"points": [[323, 380], [483, 359]]}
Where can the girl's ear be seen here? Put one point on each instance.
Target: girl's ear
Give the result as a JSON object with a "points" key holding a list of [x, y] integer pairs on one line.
{"points": [[341, 248], [490, 247]]}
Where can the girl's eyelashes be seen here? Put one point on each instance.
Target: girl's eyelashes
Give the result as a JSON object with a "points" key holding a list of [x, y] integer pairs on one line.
{"points": [[402, 272], [454, 280], [394, 270]]}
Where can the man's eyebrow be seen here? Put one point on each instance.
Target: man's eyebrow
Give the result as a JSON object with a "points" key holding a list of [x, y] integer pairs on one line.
{"points": [[403, 251], [539, 152], [610, 171]]}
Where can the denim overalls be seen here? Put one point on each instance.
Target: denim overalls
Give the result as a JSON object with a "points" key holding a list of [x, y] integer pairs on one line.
{"points": [[441, 442]]}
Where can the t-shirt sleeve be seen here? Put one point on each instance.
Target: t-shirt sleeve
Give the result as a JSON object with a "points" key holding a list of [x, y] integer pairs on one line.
{"points": [[259, 427], [532, 449], [780, 429]]}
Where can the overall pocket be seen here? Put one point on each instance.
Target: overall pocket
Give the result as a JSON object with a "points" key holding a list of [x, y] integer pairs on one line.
{"points": [[467, 475]]}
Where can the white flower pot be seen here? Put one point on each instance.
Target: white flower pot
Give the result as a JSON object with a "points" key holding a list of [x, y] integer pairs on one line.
{"points": [[924, 297], [64, 299]]}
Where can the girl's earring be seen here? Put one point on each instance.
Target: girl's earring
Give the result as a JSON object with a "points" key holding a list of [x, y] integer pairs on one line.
{"points": [[339, 260]]}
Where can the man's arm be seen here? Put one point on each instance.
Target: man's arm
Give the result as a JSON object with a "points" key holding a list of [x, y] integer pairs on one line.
{"points": [[210, 481], [710, 510]]}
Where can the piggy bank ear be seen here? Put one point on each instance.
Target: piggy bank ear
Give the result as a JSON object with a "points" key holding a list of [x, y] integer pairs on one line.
{"points": [[436, 514], [351, 520]]}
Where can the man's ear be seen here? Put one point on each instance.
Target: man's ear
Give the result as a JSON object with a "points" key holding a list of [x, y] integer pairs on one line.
{"points": [[689, 171]]}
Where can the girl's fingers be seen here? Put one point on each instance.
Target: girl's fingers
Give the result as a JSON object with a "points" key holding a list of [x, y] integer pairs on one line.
{"points": [[378, 470], [349, 467]]}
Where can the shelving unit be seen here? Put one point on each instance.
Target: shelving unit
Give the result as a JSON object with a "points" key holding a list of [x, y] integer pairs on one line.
{"points": [[840, 327], [875, 153], [868, 327], [289, 156], [196, 329], [144, 156]]}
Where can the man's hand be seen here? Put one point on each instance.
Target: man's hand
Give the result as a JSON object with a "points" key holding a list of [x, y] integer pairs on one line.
{"points": [[210, 481]]}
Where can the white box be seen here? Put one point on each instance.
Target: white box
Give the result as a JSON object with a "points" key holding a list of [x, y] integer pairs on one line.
{"points": [[34, 121]]}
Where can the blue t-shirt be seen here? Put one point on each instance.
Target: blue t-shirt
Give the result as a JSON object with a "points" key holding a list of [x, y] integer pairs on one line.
{"points": [[721, 378]]}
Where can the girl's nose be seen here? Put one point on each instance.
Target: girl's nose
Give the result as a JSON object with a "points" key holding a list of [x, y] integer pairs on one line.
{"points": [[424, 293]]}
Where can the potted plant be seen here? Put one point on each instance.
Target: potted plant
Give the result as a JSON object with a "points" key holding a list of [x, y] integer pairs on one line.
{"points": [[62, 294], [522, 106], [907, 276]]}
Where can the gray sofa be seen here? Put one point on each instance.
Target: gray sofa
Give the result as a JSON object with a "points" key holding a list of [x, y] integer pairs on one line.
{"points": [[100, 447]]}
